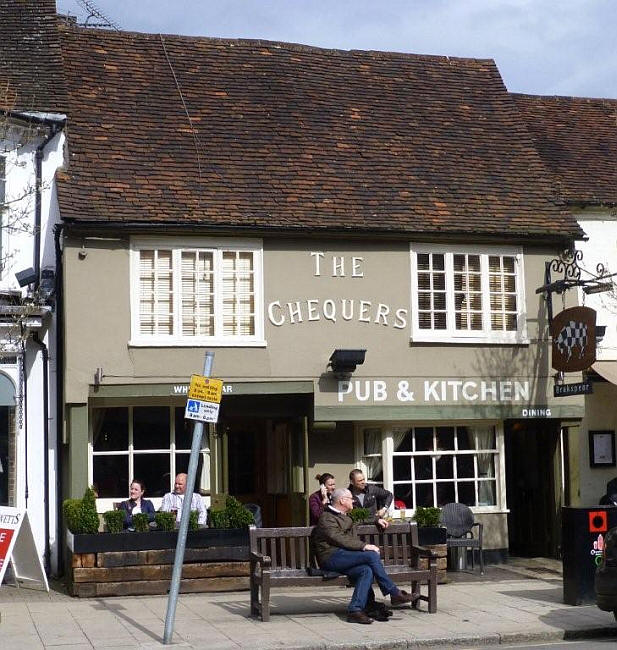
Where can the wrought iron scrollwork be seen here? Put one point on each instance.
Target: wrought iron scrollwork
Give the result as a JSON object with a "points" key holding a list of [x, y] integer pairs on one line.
{"points": [[568, 264]]}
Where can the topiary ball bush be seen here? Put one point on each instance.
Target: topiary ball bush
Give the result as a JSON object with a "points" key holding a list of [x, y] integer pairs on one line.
{"points": [[114, 520], [165, 521], [141, 523], [80, 514]]}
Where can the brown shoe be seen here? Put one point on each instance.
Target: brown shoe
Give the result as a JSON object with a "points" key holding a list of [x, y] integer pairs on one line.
{"points": [[359, 617], [403, 598]]}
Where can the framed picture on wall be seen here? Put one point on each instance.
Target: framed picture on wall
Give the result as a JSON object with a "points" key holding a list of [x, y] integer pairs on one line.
{"points": [[602, 449]]}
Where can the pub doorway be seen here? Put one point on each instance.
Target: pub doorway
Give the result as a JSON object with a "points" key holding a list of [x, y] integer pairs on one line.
{"points": [[262, 449], [534, 487]]}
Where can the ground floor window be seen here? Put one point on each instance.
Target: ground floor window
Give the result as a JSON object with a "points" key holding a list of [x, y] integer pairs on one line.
{"points": [[151, 443], [431, 465]]}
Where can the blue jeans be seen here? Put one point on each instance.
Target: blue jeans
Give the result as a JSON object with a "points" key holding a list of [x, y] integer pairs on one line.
{"points": [[362, 567]]}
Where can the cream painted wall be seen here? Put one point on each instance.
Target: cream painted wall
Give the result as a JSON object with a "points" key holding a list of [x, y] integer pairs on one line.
{"points": [[600, 414], [98, 323]]}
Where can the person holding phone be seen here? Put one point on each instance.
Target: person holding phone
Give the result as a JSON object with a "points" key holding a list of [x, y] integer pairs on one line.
{"points": [[320, 499]]}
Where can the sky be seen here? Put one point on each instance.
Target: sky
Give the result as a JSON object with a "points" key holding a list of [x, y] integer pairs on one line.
{"points": [[540, 47]]}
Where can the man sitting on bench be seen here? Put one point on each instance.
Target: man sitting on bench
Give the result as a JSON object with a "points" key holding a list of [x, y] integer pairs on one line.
{"points": [[338, 548]]}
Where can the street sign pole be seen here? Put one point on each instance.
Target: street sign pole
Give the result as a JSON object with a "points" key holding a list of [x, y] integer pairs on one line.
{"points": [[174, 588]]}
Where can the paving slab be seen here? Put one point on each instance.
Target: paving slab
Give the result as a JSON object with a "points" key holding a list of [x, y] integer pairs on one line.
{"points": [[509, 604]]}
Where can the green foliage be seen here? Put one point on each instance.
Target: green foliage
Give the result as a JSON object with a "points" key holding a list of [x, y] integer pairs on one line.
{"points": [[165, 520], [114, 519], [234, 515], [359, 515], [140, 522], [194, 520], [427, 516], [80, 514]]}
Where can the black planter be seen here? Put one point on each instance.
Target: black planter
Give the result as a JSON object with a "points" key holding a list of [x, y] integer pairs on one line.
{"points": [[431, 535], [157, 540]]}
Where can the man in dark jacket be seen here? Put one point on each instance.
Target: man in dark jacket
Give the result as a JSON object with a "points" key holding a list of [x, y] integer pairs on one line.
{"points": [[375, 499], [338, 548]]}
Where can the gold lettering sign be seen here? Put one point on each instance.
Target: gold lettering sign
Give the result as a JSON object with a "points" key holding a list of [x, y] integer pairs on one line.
{"points": [[574, 339], [205, 389]]}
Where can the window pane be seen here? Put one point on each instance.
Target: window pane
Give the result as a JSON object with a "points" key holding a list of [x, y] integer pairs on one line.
{"points": [[424, 438], [511, 322], [445, 437], [401, 468], [111, 476], [404, 493], [405, 441], [197, 282], [151, 427], [464, 467], [372, 441], [110, 429], [445, 493], [444, 467], [508, 264], [486, 493], [439, 263], [467, 493], [155, 472], [440, 321], [423, 262], [464, 438], [423, 468], [184, 430], [439, 282], [182, 465], [424, 301], [424, 282], [439, 301]]}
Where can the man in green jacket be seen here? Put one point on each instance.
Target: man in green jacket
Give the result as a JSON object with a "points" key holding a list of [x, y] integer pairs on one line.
{"points": [[338, 548]]}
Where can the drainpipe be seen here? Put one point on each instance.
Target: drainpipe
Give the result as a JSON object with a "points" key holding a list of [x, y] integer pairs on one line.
{"points": [[59, 392], [45, 354], [54, 129]]}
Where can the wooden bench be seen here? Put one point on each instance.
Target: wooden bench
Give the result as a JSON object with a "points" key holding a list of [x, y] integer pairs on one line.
{"points": [[281, 557]]}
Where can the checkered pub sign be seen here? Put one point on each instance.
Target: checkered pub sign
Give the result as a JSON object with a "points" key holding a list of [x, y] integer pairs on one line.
{"points": [[574, 339]]}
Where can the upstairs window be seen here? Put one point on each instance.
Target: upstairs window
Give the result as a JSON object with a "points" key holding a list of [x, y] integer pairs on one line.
{"points": [[191, 292], [474, 295]]}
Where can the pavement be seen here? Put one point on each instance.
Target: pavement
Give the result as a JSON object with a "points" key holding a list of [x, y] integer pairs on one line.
{"points": [[514, 603]]}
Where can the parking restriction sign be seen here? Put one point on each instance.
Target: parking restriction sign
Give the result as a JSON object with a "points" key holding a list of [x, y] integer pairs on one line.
{"points": [[205, 389]]}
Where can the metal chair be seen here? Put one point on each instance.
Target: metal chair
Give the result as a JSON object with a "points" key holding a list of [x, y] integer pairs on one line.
{"points": [[459, 522]]}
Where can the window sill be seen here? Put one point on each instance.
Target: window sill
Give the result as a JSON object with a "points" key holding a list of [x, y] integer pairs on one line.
{"points": [[196, 343], [468, 340]]}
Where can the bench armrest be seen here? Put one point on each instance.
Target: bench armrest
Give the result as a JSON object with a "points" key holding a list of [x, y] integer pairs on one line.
{"points": [[422, 551], [259, 558]]}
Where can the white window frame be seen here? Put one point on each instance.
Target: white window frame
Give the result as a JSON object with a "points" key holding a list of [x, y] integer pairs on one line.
{"points": [[107, 503], [216, 246], [451, 334], [387, 454]]}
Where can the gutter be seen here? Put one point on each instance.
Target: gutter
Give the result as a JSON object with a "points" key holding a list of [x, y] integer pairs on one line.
{"points": [[59, 393]]}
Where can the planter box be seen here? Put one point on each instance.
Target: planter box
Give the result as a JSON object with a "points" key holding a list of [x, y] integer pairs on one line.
{"points": [[157, 540], [114, 564], [431, 535]]}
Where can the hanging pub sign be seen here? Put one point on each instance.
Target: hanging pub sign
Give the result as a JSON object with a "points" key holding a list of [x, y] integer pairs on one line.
{"points": [[574, 339]]}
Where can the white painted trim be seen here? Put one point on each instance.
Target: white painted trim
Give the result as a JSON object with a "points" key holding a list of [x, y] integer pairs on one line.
{"points": [[217, 246], [450, 335]]}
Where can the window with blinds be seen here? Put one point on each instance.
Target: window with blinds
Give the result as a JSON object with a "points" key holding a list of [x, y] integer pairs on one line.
{"points": [[205, 293], [465, 293]]}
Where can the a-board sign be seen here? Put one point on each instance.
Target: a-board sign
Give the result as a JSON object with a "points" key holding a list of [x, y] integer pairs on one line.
{"points": [[205, 389], [574, 339], [17, 545], [580, 388]]}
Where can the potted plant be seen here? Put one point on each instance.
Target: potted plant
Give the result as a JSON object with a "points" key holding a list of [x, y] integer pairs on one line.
{"points": [[430, 530]]}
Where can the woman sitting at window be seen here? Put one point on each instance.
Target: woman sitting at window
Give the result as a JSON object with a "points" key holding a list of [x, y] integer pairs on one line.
{"points": [[136, 504]]}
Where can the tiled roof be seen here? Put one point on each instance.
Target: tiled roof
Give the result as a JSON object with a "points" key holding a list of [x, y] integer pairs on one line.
{"points": [[577, 139], [294, 137], [31, 74]]}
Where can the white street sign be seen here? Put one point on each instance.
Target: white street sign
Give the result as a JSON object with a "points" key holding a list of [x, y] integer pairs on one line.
{"points": [[203, 411]]}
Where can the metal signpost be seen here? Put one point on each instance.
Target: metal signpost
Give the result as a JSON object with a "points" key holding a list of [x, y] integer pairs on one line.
{"points": [[204, 396]]}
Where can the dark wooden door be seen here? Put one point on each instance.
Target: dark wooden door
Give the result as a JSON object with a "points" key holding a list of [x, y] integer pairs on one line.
{"points": [[533, 485]]}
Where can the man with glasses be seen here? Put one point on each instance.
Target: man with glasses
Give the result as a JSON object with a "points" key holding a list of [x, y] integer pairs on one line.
{"points": [[338, 548]]}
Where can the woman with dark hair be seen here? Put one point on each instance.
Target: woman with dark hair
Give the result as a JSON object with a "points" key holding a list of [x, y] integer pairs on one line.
{"points": [[136, 504], [320, 499]]}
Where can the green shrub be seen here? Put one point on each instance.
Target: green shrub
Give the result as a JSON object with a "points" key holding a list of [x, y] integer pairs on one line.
{"points": [[427, 516], [141, 522], [72, 511], [194, 520], [165, 520], [80, 514], [359, 515], [114, 520], [234, 515]]}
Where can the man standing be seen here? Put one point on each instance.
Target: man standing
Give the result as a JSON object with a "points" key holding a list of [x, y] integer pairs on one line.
{"points": [[172, 501], [365, 495], [338, 548]]}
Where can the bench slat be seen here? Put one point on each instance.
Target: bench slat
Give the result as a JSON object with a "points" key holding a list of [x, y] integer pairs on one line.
{"points": [[292, 552], [283, 551]]}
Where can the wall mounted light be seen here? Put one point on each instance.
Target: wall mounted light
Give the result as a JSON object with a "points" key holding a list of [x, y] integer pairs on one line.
{"points": [[344, 362]]}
